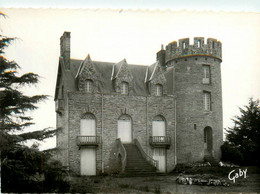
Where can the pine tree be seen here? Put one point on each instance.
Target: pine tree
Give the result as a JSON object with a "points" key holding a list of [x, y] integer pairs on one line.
{"points": [[23, 168], [245, 135]]}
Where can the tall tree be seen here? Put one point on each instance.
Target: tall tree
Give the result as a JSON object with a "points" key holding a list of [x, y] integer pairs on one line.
{"points": [[23, 168], [245, 135]]}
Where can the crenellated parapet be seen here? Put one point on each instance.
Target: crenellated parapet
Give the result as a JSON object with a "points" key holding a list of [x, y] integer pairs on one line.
{"points": [[213, 48]]}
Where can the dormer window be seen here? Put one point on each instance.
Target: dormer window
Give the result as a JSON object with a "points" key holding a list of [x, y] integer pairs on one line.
{"points": [[89, 86], [159, 90], [124, 88]]}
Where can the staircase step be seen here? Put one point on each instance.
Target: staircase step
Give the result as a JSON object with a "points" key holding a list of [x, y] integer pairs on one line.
{"points": [[136, 165]]}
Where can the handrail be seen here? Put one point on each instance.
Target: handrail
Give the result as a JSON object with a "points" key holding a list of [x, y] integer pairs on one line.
{"points": [[121, 150], [148, 158], [87, 139], [160, 139]]}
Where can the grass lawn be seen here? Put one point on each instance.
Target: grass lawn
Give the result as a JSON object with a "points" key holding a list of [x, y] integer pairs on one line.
{"points": [[167, 184]]}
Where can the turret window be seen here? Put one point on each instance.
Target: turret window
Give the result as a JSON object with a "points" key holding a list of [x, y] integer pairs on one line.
{"points": [[206, 74], [124, 88], [89, 86], [207, 101], [159, 90]]}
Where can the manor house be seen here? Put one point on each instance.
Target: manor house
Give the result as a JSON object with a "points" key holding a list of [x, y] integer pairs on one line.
{"points": [[124, 118]]}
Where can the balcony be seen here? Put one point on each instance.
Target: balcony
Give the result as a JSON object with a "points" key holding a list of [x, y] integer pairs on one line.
{"points": [[160, 141], [88, 140]]}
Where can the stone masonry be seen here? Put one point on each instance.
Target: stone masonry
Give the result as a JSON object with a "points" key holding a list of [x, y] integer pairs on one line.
{"points": [[178, 70]]}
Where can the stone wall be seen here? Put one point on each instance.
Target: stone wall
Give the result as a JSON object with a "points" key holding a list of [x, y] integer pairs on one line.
{"points": [[191, 116], [142, 110]]}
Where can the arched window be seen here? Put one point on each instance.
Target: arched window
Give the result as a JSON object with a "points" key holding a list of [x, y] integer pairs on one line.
{"points": [[125, 128], [159, 90], [88, 125], [124, 88], [158, 126], [89, 85], [207, 140]]}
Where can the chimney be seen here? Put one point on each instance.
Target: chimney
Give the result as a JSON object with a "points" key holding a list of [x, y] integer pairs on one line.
{"points": [[65, 49], [161, 58]]}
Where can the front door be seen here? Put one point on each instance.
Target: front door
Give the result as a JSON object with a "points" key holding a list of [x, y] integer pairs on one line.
{"points": [[88, 161], [125, 129], [160, 155]]}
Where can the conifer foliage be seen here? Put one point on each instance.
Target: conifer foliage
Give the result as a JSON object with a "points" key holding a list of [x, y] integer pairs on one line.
{"points": [[23, 168], [243, 140]]}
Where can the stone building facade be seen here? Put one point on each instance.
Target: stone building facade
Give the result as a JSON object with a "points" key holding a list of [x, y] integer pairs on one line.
{"points": [[171, 110]]}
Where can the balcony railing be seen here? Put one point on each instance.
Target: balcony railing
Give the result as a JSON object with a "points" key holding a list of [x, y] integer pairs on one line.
{"points": [[160, 141], [88, 140]]}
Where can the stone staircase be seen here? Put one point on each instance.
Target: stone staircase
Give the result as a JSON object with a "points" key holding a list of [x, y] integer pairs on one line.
{"points": [[136, 165]]}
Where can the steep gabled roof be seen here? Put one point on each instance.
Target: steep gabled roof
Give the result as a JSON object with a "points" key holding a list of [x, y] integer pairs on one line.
{"points": [[117, 67], [108, 71], [151, 70], [82, 64], [70, 75], [105, 70], [138, 72]]}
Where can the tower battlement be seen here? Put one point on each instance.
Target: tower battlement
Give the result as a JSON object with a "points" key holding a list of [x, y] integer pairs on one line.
{"points": [[213, 48]]}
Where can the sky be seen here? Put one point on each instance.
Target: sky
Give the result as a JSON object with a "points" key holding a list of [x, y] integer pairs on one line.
{"points": [[136, 35]]}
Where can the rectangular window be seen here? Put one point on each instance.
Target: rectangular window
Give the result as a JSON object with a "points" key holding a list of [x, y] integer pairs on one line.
{"points": [[88, 86], [207, 101], [159, 90], [124, 88], [206, 74]]}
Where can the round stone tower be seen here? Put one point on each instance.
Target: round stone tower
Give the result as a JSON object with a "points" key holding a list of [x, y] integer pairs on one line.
{"points": [[197, 87]]}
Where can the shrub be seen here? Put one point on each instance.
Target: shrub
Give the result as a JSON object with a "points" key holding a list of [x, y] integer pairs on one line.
{"points": [[231, 154]]}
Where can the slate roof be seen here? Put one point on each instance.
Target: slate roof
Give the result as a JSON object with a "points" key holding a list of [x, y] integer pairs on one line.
{"points": [[108, 71]]}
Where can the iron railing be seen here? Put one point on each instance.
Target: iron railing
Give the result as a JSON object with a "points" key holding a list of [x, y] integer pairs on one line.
{"points": [[160, 141], [148, 158], [88, 140], [121, 150]]}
